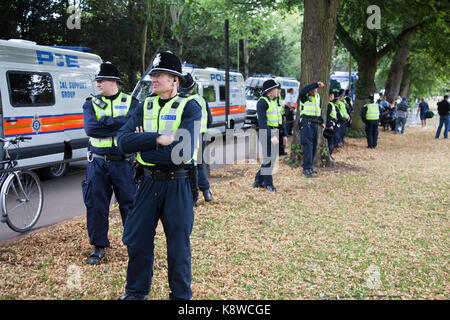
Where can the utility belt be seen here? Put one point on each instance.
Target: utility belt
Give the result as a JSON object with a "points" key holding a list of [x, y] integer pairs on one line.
{"points": [[168, 175], [107, 157], [310, 120], [161, 175]]}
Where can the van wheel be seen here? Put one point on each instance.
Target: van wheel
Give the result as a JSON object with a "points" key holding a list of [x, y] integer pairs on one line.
{"points": [[53, 172]]}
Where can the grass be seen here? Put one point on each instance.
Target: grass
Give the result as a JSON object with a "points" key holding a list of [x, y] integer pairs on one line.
{"points": [[374, 227]]}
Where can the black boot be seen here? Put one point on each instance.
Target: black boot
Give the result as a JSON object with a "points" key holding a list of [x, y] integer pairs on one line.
{"points": [[207, 195], [96, 255]]}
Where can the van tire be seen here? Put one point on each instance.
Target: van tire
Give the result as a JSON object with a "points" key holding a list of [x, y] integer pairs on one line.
{"points": [[53, 172]]}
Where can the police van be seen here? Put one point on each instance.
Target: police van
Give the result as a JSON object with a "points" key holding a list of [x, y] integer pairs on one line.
{"points": [[210, 85], [42, 91], [253, 91]]}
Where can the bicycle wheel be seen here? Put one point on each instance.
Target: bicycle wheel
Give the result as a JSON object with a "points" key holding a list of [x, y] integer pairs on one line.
{"points": [[22, 200]]}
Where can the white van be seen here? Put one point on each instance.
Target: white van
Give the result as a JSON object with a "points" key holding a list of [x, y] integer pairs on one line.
{"points": [[210, 85], [42, 92], [253, 90]]}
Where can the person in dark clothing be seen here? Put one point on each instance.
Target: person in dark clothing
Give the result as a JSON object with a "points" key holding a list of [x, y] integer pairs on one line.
{"points": [[444, 117], [370, 115], [167, 180], [402, 114], [109, 169], [422, 110], [310, 120], [269, 122]]}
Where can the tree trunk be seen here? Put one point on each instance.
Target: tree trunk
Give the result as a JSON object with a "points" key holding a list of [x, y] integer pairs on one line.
{"points": [[175, 13], [161, 33], [365, 86], [319, 26], [406, 83], [395, 76]]}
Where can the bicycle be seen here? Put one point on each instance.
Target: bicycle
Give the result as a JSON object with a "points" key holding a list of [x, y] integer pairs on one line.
{"points": [[21, 192]]}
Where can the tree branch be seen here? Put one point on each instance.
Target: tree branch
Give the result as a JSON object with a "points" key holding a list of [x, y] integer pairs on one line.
{"points": [[352, 46], [399, 38]]}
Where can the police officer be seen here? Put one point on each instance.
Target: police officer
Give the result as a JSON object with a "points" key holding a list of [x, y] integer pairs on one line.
{"points": [[349, 101], [188, 89], [333, 118], [108, 168], [310, 119], [282, 132], [342, 109], [370, 115], [269, 121], [165, 175]]}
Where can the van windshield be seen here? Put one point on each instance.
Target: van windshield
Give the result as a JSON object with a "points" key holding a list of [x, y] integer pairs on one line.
{"points": [[143, 90], [252, 93]]}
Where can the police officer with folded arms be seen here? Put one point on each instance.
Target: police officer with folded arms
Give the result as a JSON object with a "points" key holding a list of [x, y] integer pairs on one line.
{"points": [[165, 178], [310, 119], [108, 169], [188, 89]]}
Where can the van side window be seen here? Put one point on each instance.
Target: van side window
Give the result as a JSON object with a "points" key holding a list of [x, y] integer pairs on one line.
{"points": [[30, 89], [222, 93], [209, 93]]}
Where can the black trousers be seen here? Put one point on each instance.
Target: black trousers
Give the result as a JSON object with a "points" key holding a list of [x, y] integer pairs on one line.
{"points": [[289, 119]]}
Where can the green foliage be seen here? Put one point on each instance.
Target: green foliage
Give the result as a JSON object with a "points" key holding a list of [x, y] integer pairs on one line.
{"points": [[291, 163], [355, 133], [298, 152], [324, 156], [297, 148]]}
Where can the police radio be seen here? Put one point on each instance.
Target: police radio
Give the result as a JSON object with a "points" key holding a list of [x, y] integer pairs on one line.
{"points": [[99, 102]]}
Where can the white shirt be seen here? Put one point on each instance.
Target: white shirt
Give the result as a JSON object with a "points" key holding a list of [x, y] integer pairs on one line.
{"points": [[289, 98]]}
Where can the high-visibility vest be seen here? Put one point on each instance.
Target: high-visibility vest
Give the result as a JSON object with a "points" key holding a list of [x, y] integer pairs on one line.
{"points": [[201, 101], [106, 108], [311, 107], [164, 120], [373, 112], [333, 113], [350, 101], [273, 114], [343, 109], [280, 108]]}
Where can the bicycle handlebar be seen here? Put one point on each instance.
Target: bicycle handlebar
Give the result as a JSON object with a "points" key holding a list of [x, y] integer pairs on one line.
{"points": [[15, 139]]}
